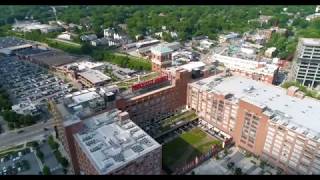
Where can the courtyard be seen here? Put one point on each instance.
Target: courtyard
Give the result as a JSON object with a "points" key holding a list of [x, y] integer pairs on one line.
{"points": [[234, 162], [186, 147]]}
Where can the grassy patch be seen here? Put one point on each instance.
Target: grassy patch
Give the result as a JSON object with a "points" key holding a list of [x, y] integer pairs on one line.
{"points": [[186, 116], [128, 83], [186, 147], [305, 90], [10, 149]]}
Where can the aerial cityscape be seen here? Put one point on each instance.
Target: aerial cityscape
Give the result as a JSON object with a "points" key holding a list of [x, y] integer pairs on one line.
{"points": [[160, 90]]}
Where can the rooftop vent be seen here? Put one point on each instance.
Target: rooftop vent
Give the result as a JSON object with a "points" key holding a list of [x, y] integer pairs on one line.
{"points": [[119, 157], [146, 142], [285, 124], [96, 148], [137, 148]]}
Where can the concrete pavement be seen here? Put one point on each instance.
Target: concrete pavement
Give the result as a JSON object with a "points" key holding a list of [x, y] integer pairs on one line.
{"points": [[36, 131]]}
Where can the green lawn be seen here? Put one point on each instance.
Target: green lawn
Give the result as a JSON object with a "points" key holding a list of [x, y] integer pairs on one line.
{"points": [[186, 147]]}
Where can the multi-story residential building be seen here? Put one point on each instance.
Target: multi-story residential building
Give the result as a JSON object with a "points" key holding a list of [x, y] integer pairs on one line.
{"points": [[76, 107], [151, 101], [110, 143], [257, 70], [280, 126], [306, 64]]}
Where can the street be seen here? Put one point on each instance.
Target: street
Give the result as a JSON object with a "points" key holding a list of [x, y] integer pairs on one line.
{"points": [[29, 133]]}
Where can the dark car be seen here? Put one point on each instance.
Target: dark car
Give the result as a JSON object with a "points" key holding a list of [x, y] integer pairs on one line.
{"points": [[20, 131]]}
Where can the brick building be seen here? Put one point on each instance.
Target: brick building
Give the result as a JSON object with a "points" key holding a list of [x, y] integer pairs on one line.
{"points": [[257, 70], [156, 101], [161, 57], [76, 107], [280, 126], [110, 143]]}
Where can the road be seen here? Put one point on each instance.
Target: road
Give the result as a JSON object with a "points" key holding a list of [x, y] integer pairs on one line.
{"points": [[67, 42], [30, 133], [206, 58]]}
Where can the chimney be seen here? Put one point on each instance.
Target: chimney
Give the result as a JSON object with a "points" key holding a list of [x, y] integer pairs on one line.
{"points": [[292, 90], [123, 116]]}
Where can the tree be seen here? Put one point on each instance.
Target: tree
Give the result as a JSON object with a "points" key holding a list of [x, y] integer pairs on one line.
{"points": [[40, 154], [46, 170], [238, 171], [86, 48], [64, 162], [53, 145], [230, 165]]}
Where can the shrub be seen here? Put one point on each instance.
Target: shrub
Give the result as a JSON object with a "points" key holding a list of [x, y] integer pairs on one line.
{"points": [[46, 170]]}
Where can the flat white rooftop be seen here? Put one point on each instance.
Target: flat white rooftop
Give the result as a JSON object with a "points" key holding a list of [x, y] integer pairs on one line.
{"points": [[94, 76], [85, 97], [300, 113], [310, 41], [193, 65], [84, 65], [111, 145]]}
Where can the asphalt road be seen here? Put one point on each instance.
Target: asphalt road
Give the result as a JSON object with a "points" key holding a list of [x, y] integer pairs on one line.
{"points": [[29, 133]]}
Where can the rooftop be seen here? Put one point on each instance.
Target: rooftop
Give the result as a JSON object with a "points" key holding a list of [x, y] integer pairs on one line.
{"points": [[31, 51], [54, 58], [193, 65], [161, 49], [82, 65], [81, 104], [110, 142], [94, 76], [6, 42], [310, 41], [296, 112], [263, 66]]}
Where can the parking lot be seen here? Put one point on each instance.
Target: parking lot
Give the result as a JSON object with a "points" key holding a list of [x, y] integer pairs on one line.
{"points": [[11, 41], [50, 160], [23, 162], [26, 82], [235, 159]]}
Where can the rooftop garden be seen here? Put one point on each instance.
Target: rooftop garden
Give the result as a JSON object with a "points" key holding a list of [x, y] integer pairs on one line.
{"points": [[176, 119], [308, 92]]}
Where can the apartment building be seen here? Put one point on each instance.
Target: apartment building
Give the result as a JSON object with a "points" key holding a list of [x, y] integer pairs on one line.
{"points": [[111, 144], [151, 101], [280, 126], [76, 107], [258, 70], [306, 63]]}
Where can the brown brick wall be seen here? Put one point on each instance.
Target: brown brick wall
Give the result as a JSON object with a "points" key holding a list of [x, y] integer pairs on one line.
{"points": [[84, 163], [256, 146]]}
